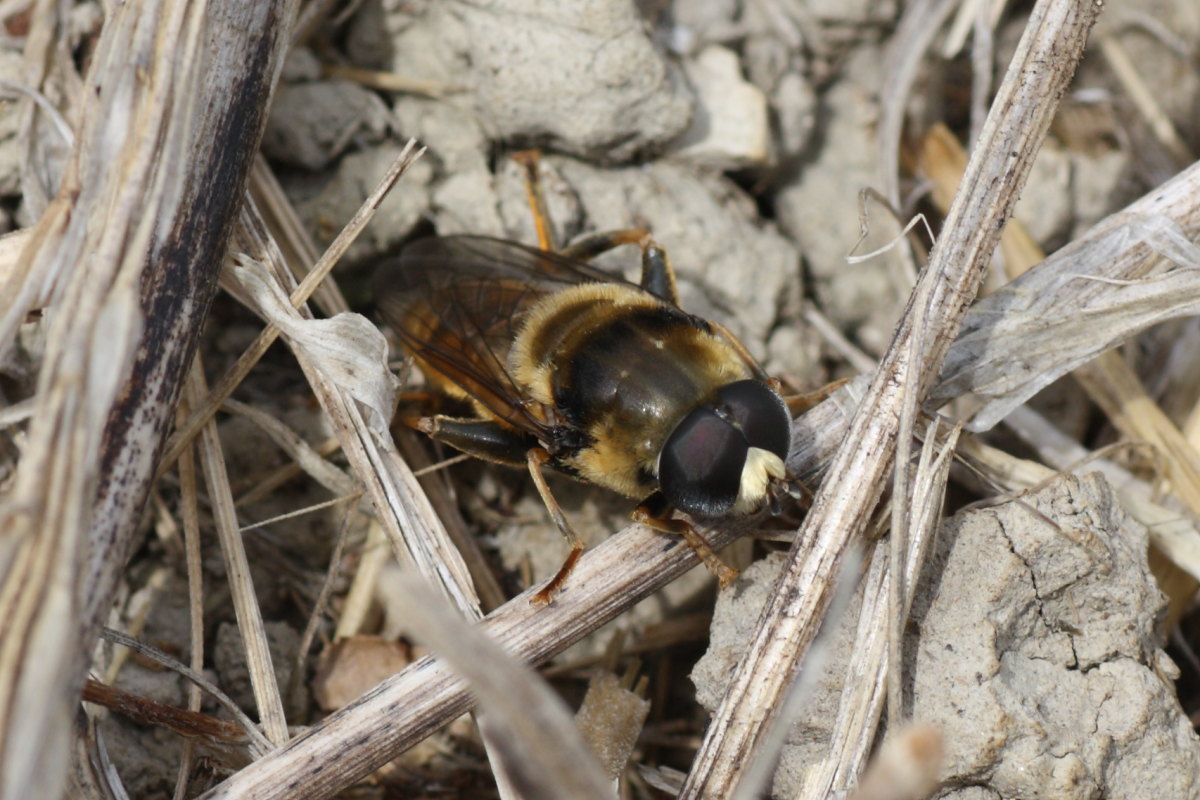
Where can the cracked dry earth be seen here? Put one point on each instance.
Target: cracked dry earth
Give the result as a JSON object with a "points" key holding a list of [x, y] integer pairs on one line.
{"points": [[1033, 649], [1037, 653]]}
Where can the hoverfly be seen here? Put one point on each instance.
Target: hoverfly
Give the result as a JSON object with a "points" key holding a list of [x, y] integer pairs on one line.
{"points": [[608, 381]]}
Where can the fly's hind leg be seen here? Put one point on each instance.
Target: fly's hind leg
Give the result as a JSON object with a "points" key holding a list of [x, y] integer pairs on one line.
{"points": [[654, 513]]}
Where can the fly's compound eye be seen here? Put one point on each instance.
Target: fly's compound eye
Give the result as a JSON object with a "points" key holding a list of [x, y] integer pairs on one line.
{"points": [[760, 413], [700, 467], [703, 467]]}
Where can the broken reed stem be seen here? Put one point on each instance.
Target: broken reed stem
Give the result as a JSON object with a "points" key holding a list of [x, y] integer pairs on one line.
{"points": [[1038, 77], [173, 106]]}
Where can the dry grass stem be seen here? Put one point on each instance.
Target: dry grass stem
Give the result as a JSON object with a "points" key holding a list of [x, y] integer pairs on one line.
{"points": [[531, 732], [237, 568], [302, 454], [1084, 299], [444, 503], [871, 676], [762, 763], [344, 360], [300, 667], [258, 743], [1041, 70], [190, 514], [296, 244], [1108, 380], [1113, 385], [357, 604], [264, 485], [861, 704]]}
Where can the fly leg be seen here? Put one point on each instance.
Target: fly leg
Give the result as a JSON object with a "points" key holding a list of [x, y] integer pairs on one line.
{"points": [[413, 407], [799, 403], [490, 441], [645, 514], [658, 276], [529, 161], [537, 458], [484, 439]]}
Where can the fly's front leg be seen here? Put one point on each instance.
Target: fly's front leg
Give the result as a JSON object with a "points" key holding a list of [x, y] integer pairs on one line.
{"points": [[653, 513], [799, 403]]}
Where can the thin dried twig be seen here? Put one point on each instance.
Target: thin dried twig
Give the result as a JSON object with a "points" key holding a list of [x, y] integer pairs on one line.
{"points": [[357, 604], [195, 577], [344, 360], [298, 297], [865, 688], [298, 248], [1084, 299], [1108, 380], [299, 451], [258, 743], [412, 704], [299, 667], [913, 37]]}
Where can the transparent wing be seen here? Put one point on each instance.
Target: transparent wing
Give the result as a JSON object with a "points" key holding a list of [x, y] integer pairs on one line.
{"points": [[458, 302]]}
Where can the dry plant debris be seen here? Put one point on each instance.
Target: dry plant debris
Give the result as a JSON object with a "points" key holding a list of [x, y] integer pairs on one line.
{"points": [[195, 401]]}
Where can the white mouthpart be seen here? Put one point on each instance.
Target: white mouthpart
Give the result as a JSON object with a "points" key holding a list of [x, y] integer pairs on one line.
{"points": [[760, 467]]}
